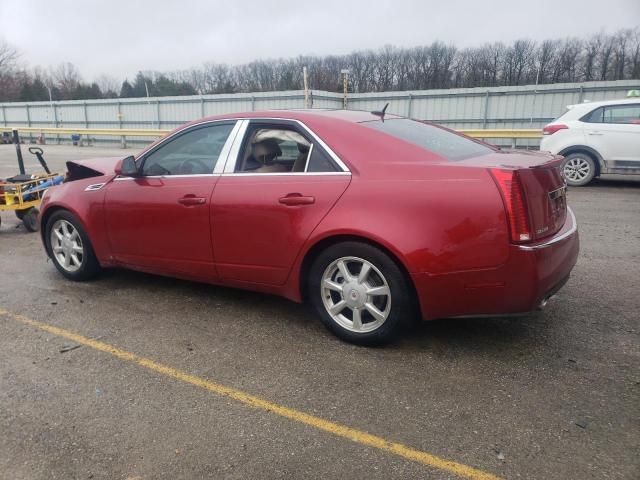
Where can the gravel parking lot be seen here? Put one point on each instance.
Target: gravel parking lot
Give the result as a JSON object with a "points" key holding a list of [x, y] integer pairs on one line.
{"points": [[552, 396]]}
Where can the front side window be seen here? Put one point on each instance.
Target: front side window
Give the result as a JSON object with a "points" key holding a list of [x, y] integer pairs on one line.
{"points": [[195, 152], [430, 137]]}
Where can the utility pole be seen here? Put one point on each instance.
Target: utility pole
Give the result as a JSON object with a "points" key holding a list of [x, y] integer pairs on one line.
{"points": [[535, 93], [146, 88], [345, 86], [306, 87], [51, 105]]}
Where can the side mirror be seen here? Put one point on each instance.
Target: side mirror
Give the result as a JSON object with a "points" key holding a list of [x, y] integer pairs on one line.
{"points": [[127, 167]]}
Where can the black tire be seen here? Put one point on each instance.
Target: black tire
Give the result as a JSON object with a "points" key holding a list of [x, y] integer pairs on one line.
{"points": [[400, 312], [577, 179], [30, 219], [89, 266], [21, 213]]}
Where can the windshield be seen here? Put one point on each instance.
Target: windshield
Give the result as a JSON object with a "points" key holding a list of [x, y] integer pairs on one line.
{"points": [[434, 139]]}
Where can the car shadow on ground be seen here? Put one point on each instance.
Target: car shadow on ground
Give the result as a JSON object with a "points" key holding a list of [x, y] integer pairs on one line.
{"points": [[620, 182], [501, 336]]}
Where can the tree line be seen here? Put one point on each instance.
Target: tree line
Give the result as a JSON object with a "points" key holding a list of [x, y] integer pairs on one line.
{"points": [[438, 65]]}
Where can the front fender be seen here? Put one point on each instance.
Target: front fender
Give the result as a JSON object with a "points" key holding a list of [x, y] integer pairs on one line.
{"points": [[87, 205]]}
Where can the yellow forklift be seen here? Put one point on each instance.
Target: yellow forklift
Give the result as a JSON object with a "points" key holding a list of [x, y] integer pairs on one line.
{"points": [[23, 193]]}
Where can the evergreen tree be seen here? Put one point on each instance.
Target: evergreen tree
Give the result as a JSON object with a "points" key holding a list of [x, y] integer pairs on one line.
{"points": [[126, 91]]}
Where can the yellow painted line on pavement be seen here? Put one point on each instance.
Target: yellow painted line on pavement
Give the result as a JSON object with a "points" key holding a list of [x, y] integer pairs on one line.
{"points": [[318, 423]]}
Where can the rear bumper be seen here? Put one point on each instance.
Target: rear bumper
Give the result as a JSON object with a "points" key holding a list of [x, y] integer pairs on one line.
{"points": [[530, 276]]}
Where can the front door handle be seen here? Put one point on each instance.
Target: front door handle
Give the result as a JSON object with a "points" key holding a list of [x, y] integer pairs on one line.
{"points": [[294, 199], [594, 133], [190, 200]]}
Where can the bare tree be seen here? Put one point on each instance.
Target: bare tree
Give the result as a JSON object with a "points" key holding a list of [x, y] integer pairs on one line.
{"points": [[66, 79], [8, 56], [109, 86], [438, 65]]}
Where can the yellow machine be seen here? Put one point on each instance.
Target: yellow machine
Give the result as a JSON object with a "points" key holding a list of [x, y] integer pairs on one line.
{"points": [[23, 193], [24, 198]]}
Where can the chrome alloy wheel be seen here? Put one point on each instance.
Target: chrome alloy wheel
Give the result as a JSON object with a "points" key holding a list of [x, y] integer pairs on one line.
{"points": [[577, 169], [355, 294], [66, 245]]}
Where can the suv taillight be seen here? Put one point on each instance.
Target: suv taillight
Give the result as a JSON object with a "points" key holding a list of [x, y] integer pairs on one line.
{"points": [[508, 182], [551, 129]]}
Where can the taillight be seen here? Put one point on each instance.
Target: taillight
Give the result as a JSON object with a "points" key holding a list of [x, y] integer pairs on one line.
{"points": [[551, 129], [510, 187]]}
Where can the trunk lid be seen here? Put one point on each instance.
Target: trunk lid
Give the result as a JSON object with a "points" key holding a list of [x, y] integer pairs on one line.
{"points": [[542, 187]]}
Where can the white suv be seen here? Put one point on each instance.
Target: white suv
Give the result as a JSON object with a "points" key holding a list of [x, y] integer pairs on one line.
{"points": [[596, 138]]}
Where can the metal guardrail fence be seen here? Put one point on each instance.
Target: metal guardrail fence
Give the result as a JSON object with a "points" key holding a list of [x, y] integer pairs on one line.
{"points": [[484, 112], [511, 134]]}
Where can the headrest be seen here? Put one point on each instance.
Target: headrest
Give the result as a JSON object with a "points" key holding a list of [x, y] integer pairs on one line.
{"points": [[266, 150]]}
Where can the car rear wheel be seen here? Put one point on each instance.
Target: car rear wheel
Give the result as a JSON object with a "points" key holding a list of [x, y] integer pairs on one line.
{"points": [[69, 247], [578, 169], [360, 293]]}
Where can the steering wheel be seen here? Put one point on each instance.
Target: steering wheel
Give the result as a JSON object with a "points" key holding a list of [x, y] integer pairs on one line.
{"points": [[193, 164]]}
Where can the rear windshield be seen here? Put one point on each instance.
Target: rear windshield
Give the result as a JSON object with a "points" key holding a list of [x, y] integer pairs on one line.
{"points": [[437, 140]]}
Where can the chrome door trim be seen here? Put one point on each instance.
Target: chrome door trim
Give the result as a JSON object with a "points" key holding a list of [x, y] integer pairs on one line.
{"points": [[119, 179], [232, 158], [224, 153], [287, 174]]}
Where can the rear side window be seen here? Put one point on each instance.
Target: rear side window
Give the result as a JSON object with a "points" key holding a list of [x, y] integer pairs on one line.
{"points": [[320, 162], [593, 117], [434, 139]]}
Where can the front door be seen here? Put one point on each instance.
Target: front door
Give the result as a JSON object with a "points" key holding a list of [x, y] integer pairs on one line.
{"points": [[160, 220], [264, 210], [616, 136]]}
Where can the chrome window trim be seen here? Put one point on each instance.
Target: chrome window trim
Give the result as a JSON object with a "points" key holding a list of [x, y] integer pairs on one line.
{"points": [[240, 129], [557, 239], [232, 158], [306, 165], [119, 178], [287, 174], [226, 149]]}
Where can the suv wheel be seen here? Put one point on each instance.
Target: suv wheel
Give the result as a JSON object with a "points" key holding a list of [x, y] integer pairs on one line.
{"points": [[579, 169]]}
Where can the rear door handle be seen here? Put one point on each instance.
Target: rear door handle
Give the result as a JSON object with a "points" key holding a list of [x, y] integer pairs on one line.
{"points": [[594, 133], [190, 200], [294, 199]]}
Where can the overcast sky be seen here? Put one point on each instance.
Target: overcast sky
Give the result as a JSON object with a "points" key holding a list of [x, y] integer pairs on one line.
{"points": [[119, 37]]}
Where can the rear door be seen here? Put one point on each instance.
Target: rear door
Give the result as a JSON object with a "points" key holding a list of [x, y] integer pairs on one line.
{"points": [[614, 132], [160, 220], [265, 208]]}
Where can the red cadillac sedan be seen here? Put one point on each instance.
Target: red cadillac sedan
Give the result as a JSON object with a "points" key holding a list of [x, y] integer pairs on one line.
{"points": [[373, 219]]}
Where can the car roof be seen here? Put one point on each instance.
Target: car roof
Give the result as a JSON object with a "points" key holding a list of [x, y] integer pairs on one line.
{"points": [[351, 116], [604, 103]]}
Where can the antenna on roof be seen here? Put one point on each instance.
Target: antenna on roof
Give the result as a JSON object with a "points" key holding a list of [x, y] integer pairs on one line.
{"points": [[381, 113]]}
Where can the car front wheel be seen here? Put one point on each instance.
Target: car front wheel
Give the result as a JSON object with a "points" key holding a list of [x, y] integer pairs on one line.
{"points": [[579, 169], [69, 247], [360, 293]]}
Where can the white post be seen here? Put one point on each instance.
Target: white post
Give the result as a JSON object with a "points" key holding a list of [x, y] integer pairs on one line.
{"points": [[345, 86], [306, 87]]}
